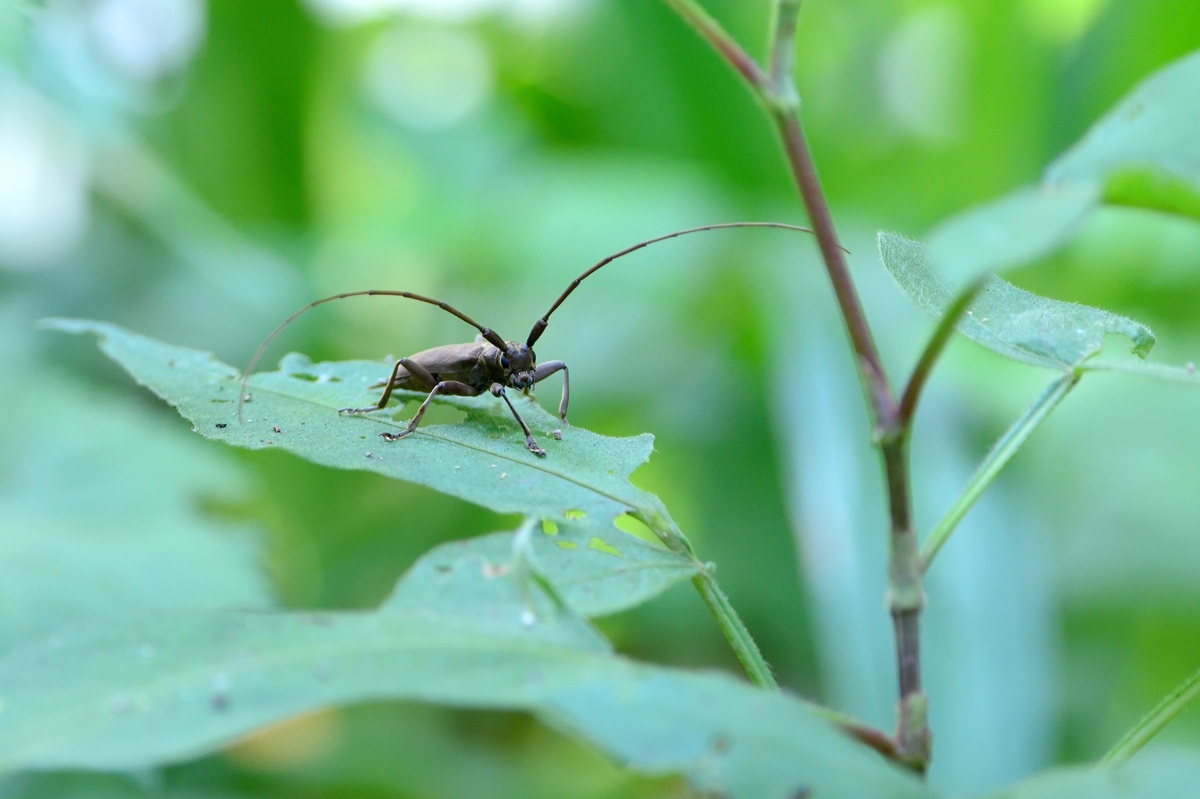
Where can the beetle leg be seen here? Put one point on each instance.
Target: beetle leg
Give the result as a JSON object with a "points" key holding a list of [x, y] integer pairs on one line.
{"points": [[548, 368], [413, 368], [498, 390], [445, 387]]}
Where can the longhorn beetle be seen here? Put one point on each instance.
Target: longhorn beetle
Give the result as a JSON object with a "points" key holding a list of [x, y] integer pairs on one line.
{"points": [[489, 363]]}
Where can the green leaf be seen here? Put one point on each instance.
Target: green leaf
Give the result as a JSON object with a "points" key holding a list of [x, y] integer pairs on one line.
{"points": [[482, 460], [90, 785], [594, 571], [1146, 149], [1143, 153], [1020, 227], [1009, 320], [596, 566], [98, 515], [1152, 775], [457, 631]]}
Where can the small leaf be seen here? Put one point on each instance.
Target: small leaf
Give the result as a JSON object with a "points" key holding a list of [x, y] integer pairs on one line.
{"points": [[1020, 227], [462, 637], [591, 582], [1009, 320], [482, 460], [1152, 134], [1157, 774]]}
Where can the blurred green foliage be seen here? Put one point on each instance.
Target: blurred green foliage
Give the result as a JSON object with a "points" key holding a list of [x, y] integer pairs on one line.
{"points": [[200, 189]]}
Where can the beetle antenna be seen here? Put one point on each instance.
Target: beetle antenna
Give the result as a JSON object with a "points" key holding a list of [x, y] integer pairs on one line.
{"points": [[539, 327], [486, 332]]}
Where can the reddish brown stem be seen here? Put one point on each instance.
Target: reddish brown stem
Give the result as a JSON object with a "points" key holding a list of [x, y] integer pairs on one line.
{"points": [[777, 93], [879, 393]]}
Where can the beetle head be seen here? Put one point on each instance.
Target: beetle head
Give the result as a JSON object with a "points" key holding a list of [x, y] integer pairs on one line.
{"points": [[518, 362]]}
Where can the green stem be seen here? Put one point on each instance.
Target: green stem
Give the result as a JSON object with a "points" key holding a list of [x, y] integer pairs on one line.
{"points": [[999, 456], [742, 642], [704, 24], [735, 631], [933, 350], [1153, 722], [718, 604]]}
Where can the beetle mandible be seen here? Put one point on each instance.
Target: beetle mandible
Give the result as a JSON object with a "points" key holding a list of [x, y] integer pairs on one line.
{"points": [[489, 363]]}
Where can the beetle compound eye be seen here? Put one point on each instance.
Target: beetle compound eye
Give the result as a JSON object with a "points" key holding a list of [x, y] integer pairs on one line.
{"points": [[504, 361]]}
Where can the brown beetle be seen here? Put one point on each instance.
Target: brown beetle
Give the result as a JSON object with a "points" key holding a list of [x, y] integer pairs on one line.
{"points": [[487, 364]]}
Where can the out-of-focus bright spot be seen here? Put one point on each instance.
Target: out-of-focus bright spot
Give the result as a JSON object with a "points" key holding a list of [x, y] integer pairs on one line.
{"points": [[536, 12], [1061, 20], [293, 742], [43, 181], [352, 12], [147, 39], [922, 73], [428, 78]]}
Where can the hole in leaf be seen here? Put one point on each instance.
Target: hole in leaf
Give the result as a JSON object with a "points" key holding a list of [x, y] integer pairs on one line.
{"points": [[304, 376], [549, 527], [628, 523], [566, 544], [574, 513], [600, 545]]}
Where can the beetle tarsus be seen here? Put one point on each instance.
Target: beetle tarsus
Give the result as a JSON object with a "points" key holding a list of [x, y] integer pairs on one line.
{"points": [[394, 436]]}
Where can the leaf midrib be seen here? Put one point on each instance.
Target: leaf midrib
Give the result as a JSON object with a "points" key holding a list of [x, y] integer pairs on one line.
{"points": [[535, 465]]}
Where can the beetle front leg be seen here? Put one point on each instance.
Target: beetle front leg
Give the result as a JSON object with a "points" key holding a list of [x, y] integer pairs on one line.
{"points": [[548, 368], [445, 387], [413, 368], [498, 391]]}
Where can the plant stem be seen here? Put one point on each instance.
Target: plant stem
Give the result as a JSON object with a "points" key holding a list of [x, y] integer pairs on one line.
{"points": [[937, 343], [735, 631], [727, 619], [1153, 722], [743, 644], [906, 595], [760, 673], [905, 599], [875, 383], [777, 93], [783, 50], [721, 41], [995, 461]]}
